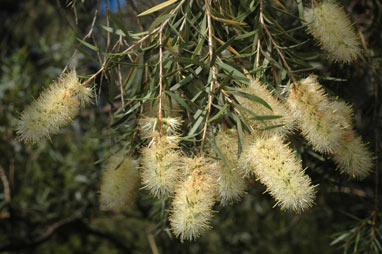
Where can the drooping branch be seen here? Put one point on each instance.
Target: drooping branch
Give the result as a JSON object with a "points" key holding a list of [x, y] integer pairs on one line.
{"points": [[213, 71], [49, 232], [7, 189]]}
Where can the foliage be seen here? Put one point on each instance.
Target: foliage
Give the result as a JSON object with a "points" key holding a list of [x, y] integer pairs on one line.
{"points": [[183, 74]]}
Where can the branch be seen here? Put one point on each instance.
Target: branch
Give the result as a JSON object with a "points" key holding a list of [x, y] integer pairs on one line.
{"points": [[7, 190], [52, 229], [213, 70], [160, 79], [155, 31]]}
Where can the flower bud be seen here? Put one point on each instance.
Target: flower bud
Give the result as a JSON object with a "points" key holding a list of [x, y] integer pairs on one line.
{"points": [[120, 182]]}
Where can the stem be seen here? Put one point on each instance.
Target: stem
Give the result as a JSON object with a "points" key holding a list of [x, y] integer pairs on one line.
{"points": [[314, 2], [275, 45], [155, 31], [160, 80], [258, 54], [7, 189], [213, 70], [135, 11]]}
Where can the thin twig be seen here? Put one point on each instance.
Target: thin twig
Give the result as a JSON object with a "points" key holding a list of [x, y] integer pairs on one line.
{"points": [[160, 79], [275, 45], [213, 70], [258, 53], [108, 25], [121, 87], [7, 189], [152, 243], [85, 37]]}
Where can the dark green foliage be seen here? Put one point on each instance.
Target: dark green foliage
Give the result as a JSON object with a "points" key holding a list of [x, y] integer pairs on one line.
{"points": [[54, 185]]}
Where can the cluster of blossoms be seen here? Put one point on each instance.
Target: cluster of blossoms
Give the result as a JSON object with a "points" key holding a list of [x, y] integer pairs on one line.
{"points": [[55, 108], [194, 184], [328, 126]]}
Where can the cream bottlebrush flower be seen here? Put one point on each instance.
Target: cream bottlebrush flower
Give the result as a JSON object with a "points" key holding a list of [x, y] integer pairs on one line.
{"points": [[315, 115], [329, 24], [192, 205], [231, 183], [161, 165], [55, 108], [353, 157], [149, 125], [120, 182], [278, 109], [275, 165], [343, 111]]}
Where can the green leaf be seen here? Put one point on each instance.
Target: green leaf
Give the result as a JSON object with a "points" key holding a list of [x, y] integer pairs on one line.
{"points": [[271, 127], [92, 47], [157, 7], [341, 237], [118, 22], [159, 21], [187, 60], [235, 73], [246, 35], [196, 125], [179, 100], [218, 152], [251, 97], [221, 112], [239, 132], [113, 30], [265, 117], [358, 237]]}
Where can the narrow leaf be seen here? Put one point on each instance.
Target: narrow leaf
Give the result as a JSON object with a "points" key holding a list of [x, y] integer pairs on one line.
{"points": [[218, 152], [157, 7], [251, 97], [92, 47]]}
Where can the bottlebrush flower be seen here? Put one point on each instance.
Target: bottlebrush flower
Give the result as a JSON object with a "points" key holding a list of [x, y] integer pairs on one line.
{"points": [[192, 205], [329, 24], [230, 180], [344, 112], [120, 182], [161, 165], [55, 108], [279, 112], [275, 165], [353, 156], [316, 116], [149, 125]]}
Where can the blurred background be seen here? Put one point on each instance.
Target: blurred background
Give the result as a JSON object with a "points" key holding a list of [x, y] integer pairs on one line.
{"points": [[49, 192]]}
